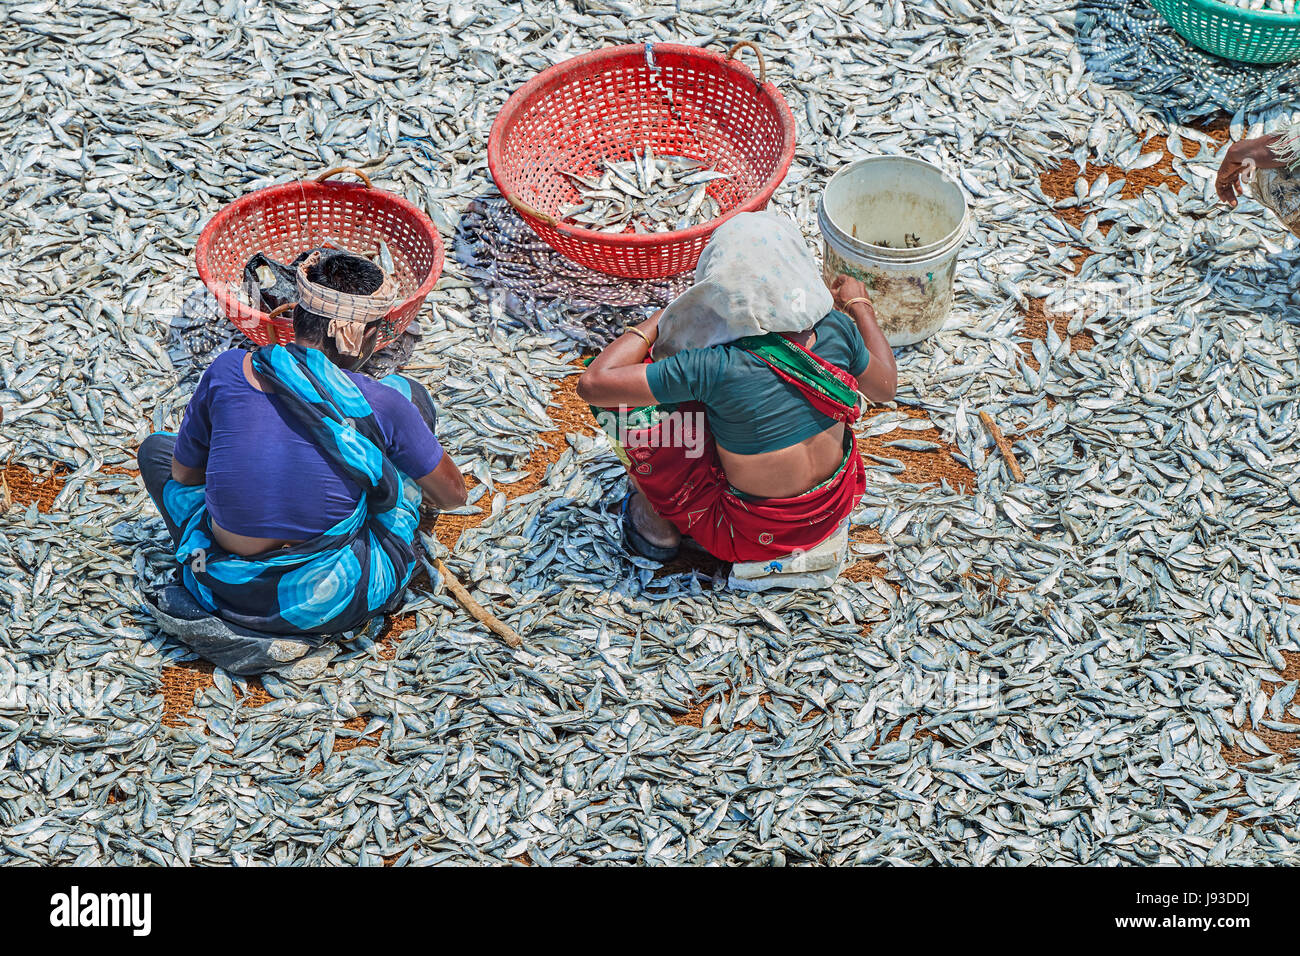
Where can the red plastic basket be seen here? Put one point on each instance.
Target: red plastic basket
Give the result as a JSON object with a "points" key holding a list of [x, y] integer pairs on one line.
{"points": [[611, 103], [282, 221]]}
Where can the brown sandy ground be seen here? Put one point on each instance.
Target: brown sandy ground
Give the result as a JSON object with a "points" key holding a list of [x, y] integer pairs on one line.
{"points": [[1277, 741], [705, 697], [1035, 327], [570, 414], [1058, 184], [181, 684], [21, 486]]}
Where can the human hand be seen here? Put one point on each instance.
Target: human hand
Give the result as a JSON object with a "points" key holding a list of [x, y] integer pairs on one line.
{"points": [[1228, 183], [845, 287]]}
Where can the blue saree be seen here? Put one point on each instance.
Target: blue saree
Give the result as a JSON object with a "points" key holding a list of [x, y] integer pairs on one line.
{"points": [[340, 579]]}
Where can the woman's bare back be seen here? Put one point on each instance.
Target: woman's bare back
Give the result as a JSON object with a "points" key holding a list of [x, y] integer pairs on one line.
{"points": [[788, 471]]}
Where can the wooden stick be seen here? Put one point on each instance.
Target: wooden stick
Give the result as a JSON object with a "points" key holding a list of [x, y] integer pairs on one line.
{"points": [[1004, 446], [476, 610]]}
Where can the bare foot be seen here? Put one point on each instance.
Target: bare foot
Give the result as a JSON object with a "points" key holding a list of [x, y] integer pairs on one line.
{"points": [[653, 528]]}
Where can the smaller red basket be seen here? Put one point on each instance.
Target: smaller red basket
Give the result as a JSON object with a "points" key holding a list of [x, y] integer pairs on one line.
{"points": [[283, 221], [607, 105]]}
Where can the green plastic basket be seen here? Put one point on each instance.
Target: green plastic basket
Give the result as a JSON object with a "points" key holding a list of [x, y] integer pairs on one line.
{"points": [[1252, 36]]}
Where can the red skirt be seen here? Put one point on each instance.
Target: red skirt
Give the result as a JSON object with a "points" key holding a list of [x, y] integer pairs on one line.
{"points": [[676, 466]]}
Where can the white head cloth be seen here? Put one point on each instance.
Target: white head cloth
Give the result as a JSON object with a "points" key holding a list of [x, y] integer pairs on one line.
{"points": [[756, 275], [348, 314]]}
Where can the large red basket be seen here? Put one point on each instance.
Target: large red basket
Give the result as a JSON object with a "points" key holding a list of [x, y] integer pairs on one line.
{"points": [[282, 221], [611, 103]]}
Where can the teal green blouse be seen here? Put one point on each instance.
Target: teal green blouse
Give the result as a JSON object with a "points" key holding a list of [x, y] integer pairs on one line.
{"points": [[750, 409]]}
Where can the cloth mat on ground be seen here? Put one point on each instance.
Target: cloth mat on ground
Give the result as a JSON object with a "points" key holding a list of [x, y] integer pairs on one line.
{"points": [[818, 567], [236, 649], [534, 283]]}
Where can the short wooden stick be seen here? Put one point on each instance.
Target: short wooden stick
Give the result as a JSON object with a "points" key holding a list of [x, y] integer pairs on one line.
{"points": [[478, 611], [1004, 446]]}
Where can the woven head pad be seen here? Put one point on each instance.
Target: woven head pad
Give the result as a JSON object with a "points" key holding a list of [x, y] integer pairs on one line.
{"points": [[349, 314]]}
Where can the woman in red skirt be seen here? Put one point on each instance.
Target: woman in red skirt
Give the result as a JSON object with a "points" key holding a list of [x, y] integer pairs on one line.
{"points": [[740, 436]]}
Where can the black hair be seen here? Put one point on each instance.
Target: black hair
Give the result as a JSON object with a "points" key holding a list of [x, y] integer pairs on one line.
{"points": [[343, 272]]}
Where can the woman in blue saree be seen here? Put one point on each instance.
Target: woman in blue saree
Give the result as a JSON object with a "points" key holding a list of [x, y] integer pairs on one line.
{"points": [[292, 490]]}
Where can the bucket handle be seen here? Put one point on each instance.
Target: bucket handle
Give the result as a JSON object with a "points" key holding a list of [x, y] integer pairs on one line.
{"points": [[343, 169], [762, 66], [528, 210], [273, 330]]}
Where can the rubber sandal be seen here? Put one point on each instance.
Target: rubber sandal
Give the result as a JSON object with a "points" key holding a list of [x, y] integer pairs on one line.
{"points": [[635, 542]]}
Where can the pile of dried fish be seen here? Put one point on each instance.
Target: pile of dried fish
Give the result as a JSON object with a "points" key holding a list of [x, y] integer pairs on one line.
{"points": [[646, 193], [1272, 6], [1092, 666], [1128, 44]]}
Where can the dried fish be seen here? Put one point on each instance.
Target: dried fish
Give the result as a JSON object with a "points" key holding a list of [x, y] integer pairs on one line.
{"points": [[1273, 6], [646, 193], [1092, 666]]}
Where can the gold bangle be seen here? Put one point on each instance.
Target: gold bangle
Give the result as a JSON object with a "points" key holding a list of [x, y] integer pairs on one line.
{"points": [[644, 338], [860, 298]]}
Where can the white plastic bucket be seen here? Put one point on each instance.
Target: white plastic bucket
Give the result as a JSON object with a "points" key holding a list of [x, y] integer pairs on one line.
{"points": [[894, 200]]}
